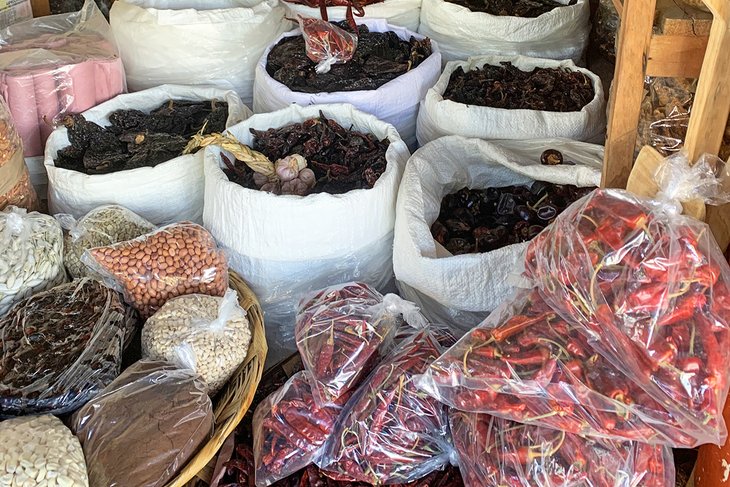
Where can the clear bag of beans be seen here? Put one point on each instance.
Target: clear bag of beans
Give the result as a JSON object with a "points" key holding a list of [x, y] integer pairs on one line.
{"points": [[31, 255], [208, 334], [105, 225], [61, 347], [175, 260], [15, 186]]}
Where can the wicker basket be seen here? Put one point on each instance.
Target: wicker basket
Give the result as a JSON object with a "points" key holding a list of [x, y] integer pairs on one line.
{"points": [[234, 400]]}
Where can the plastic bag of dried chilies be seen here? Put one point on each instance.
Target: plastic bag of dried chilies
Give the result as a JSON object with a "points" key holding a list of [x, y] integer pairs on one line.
{"points": [[326, 43], [62, 347], [524, 363], [290, 429], [390, 432], [493, 451], [104, 225], [343, 331], [649, 287]]}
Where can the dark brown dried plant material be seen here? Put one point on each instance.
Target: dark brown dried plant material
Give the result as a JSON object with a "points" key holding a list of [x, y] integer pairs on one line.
{"points": [[137, 139], [342, 159], [474, 220], [506, 86], [62, 347], [380, 57], [512, 8]]}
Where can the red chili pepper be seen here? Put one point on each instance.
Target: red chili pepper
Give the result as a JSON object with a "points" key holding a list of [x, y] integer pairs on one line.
{"points": [[517, 324], [533, 357]]}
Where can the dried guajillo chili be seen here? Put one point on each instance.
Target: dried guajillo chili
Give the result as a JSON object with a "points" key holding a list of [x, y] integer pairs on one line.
{"points": [[342, 332], [498, 452], [526, 364], [650, 288], [290, 430], [390, 432]]}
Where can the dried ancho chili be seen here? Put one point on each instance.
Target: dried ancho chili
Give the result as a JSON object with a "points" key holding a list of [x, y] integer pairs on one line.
{"points": [[390, 431], [474, 220], [380, 57], [495, 452], [512, 8], [528, 365], [342, 159], [506, 86], [137, 139]]}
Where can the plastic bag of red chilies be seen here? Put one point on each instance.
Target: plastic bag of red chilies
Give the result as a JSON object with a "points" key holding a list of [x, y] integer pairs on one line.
{"points": [[526, 364], [649, 288], [495, 452], [343, 331], [390, 432], [290, 430], [326, 44]]}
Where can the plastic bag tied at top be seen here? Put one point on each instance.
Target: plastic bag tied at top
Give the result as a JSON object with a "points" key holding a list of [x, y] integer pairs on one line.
{"points": [[649, 288], [326, 44], [493, 451]]}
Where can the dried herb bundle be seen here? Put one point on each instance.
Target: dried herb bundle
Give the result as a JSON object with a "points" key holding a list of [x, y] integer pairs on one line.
{"points": [[342, 159], [506, 86], [475, 220], [380, 57], [512, 8], [137, 139]]}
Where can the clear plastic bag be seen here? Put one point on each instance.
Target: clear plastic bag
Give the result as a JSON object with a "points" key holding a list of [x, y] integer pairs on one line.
{"points": [[62, 347], [54, 65], [605, 28], [649, 288], [175, 260], [15, 187], [105, 225], [290, 430], [326, 43], [343, 331], [31, 255], [494, 451], [526, 364], [390, 432], [207, 334], [40, 442], [144, 426]]}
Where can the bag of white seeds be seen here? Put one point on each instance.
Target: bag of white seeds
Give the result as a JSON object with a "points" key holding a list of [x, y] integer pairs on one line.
{"points": [[105, 225], [40, 451], [207, 334], [31, 255]]}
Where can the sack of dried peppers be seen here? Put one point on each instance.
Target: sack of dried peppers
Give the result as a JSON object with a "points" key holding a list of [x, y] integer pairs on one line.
{"points": [[526, 364], [390, 432], [649, 288], [493, 451], [290, 430], [343, 331]]}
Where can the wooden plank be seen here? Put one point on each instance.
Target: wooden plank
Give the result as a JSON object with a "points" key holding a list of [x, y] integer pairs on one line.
{"points": [[677, 18], [40, 8], [619, 6], [676, 56], [634, 37]]}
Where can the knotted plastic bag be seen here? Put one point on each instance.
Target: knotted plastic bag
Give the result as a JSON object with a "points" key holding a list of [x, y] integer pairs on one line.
{"points": [[326, 44]]}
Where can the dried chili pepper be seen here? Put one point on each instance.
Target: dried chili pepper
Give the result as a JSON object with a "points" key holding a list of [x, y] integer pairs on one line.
{"points": [[663, 304], [512, 8], [390, 431], [494, 451]]}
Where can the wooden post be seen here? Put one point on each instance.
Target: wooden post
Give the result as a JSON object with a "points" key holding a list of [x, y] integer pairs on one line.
{"points": [[40, 8], [627, 91]]}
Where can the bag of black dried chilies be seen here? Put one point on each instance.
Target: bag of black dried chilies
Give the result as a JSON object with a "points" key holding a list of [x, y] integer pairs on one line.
{"points": [[137, 139], [512, 8]]}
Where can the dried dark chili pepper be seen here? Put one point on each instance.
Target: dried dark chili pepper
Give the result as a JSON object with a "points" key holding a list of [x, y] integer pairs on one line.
{"points": [[341, 333], [495, 451], [554, 378], [655, 309], [511, 8], [390, 431]]}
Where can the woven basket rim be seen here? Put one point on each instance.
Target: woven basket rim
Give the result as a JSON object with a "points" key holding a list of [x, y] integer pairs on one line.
{"points": [[233, 401]]}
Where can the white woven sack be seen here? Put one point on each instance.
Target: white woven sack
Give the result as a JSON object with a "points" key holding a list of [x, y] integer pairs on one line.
{"points": [[460, 290], [396, 102], [403, 13], [195, 42], [169, 192], [285, 246], [438, 117], [561, 33]]}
